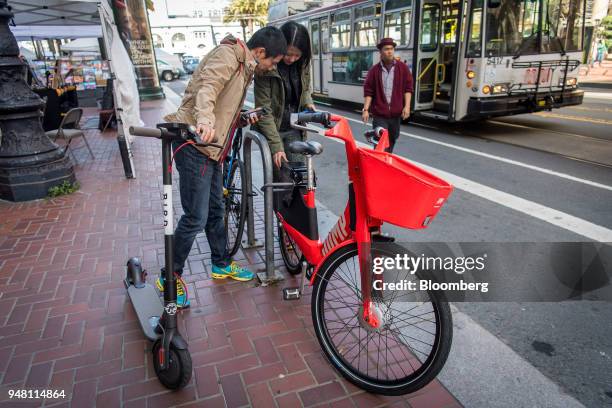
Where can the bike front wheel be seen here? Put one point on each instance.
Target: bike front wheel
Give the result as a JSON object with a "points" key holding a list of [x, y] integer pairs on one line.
{"points": [[235, 194], [409, 347], [290, 252]]}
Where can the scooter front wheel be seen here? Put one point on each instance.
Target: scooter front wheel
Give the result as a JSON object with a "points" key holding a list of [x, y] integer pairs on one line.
{"points": [[178, 372]]}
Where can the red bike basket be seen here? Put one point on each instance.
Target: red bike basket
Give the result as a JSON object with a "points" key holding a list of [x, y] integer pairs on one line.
{"points": [[400, 193]]}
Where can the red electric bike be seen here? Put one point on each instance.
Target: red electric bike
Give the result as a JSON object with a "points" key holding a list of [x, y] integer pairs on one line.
{"points": [[386, 342]]}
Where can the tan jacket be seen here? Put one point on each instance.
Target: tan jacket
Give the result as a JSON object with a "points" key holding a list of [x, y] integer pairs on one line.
{"points": [[216, 91]]}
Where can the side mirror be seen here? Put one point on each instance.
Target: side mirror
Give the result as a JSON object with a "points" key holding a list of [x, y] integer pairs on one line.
{"points": [[493, 3]]}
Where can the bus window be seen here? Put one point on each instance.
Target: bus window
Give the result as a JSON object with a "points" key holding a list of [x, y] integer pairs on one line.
{"points": [[397, 26], [366, 26], [449, 24], [341, 30], [475, 34], [314, 35], [513, 28], [562, 21], [366, 33], [325, 36], [449, 31], [397, 4], [429, 29]]}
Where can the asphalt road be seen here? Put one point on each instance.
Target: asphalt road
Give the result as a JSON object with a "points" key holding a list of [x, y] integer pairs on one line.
{"points": [[546, 187]]}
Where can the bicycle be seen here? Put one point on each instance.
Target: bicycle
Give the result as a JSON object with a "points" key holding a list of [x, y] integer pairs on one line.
{"points": [[234, 186], [363, 332]]}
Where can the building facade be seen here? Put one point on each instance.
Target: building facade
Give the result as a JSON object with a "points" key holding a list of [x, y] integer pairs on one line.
{"points": [[190, 27]]}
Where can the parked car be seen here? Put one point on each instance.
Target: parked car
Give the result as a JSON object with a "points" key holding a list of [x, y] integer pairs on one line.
{"points": [[190, 63], [168, 72]]}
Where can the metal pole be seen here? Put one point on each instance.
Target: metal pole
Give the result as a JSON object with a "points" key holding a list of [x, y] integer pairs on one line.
{"points": [[251, 242], [214, 37], [270, 275]]}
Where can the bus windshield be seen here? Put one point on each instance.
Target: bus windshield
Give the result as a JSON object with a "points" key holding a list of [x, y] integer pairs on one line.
{"points": [[519, 27]]}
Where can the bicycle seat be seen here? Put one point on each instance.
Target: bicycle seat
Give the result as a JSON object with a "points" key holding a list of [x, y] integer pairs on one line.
{"points": [[309, 148]]}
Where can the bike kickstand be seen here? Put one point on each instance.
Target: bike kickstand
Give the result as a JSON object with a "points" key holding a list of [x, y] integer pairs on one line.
{"points": [[295, 293]]}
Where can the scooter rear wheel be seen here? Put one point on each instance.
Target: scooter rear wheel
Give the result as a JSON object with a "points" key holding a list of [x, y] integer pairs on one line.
{"points": [[178, 372]]}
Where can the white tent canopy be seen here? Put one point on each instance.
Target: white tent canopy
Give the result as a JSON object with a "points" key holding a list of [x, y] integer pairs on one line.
{"points": [[42, 32], [55, 12], [86, 19], [82, 45]]}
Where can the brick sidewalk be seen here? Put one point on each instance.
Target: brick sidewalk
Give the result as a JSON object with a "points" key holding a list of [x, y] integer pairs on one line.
{"points": [[67, 323], [600, 73]]}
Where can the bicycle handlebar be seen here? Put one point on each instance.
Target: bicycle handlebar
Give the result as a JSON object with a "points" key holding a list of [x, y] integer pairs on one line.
{"points": [[375, 133], [322, 118]]}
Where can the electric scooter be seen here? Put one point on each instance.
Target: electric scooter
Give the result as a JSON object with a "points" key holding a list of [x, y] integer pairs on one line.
{"points": [[171, 358]]}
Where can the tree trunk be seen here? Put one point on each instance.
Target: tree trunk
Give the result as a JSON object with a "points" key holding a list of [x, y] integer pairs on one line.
{"points": [[250, 20], [243, 24]]}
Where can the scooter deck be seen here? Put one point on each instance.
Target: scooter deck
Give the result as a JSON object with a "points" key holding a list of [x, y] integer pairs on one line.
{"points": [[148, 307]]}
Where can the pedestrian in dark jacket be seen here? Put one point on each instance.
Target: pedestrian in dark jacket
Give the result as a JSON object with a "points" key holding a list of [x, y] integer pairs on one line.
{"points": [[387, 91]]}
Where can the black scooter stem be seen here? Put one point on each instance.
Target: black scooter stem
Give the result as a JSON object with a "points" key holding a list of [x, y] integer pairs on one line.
{"points": [[170, 287]]}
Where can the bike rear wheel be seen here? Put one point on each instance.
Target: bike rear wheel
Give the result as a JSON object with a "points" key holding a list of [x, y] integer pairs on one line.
{"points": [[405, 353], [234, 193]]}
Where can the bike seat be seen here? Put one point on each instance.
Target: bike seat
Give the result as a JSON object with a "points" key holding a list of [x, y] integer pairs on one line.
{"points": [[309, 148]]}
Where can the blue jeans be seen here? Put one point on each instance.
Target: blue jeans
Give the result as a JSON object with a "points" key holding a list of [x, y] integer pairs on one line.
{"points": [[201, 189]]}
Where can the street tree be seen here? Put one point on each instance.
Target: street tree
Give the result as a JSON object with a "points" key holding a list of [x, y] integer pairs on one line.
{"points": [[247, 13]]}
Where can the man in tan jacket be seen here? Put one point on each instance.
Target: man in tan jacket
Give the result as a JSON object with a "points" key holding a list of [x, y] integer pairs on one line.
{"points": [[212, 103]]}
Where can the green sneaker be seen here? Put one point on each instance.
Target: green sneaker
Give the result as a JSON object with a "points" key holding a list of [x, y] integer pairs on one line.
{"points": [[233, 271], [182, 299]]}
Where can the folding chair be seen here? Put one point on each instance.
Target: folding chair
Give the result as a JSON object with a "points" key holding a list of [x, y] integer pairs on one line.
{"points": [[69, 129]]}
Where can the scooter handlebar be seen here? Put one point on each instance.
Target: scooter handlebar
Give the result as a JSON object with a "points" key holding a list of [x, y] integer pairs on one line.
{"points": [[147, 132], [188, 133]]}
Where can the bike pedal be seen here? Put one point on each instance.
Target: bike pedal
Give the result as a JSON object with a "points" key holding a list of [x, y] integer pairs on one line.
{"points": [[291, 293]]}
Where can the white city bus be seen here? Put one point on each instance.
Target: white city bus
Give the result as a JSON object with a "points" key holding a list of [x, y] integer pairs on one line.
{"points": [[470, 59]]}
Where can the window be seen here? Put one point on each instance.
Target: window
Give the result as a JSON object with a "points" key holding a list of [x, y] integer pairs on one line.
{"points": [[513, 28], [449, 23], [158, 42], [366, 33], [397, 4], [563, 25], [397, 26], [325, 36], [341, 30], [366, 25], [178, 37], [475, 33], [314, 33], [430, 27]]}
